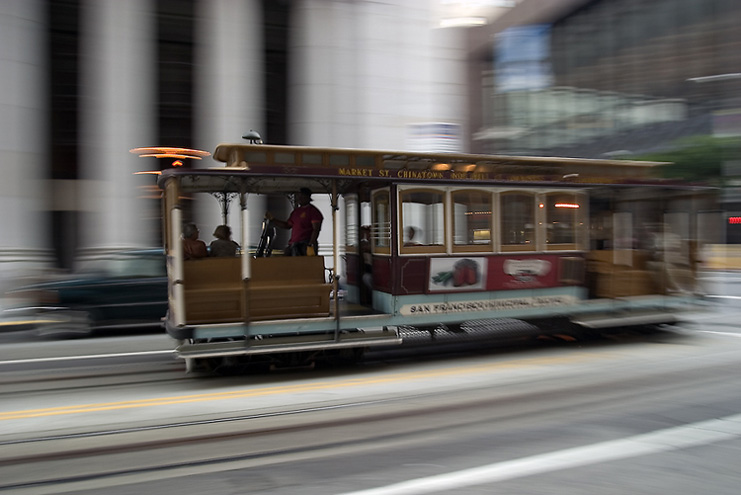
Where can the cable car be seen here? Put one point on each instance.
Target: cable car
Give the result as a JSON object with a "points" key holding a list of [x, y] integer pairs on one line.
{"points": [[424, 247]]}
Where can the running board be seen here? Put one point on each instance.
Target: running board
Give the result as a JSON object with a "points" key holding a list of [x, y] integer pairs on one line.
{"points": [[292, 343], [625, 320]]}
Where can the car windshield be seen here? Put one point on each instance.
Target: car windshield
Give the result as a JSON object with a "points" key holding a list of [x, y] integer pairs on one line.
{"points": [[125, 265]]}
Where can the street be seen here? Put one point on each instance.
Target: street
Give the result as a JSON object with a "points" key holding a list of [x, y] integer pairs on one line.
{"points": [[631, 411]]}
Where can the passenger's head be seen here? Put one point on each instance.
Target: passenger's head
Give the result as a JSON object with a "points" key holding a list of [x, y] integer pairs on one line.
{"points": [[190, 231], [223, 232], [303, 197]]}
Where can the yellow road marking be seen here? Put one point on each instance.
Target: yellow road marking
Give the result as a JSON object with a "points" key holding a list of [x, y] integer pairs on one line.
{"points": [[25, 322], [265, 391]]}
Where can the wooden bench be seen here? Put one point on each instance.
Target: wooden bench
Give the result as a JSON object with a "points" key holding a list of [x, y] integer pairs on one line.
{"points": [[280, 287], [214, 291], [288, 287], [621, 274]]}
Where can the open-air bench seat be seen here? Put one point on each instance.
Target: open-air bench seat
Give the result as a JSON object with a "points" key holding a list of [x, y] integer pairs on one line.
{"points": [[279, 287]]}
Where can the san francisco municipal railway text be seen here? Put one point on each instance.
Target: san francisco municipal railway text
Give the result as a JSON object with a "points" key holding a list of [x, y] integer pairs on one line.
{"points": [[486, 305]]}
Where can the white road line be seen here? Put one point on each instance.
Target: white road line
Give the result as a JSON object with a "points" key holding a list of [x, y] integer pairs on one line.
{"points": [[89, 356], [730, 334], [680, 437]]}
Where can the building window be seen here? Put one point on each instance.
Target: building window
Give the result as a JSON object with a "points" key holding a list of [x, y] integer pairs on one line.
{"points": [[472, 225], [517, 220], [422, 221]]}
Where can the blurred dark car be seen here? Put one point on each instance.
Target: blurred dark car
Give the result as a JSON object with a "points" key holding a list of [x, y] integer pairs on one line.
{"points": [[124, 290]]}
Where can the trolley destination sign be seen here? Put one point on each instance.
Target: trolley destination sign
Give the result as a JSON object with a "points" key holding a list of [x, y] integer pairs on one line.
{"points": [[406, 174], [411, 166], [452, 175]]}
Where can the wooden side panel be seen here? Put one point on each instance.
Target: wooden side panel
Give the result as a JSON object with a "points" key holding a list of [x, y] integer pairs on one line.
{"points": [[280, 287], [288, 287], [623, 273], [214, 291]]}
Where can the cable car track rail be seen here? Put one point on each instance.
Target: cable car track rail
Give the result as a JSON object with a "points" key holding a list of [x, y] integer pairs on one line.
{"points": [[182, 448]]}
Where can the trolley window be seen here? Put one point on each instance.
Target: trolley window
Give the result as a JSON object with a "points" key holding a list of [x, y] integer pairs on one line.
{"points": [[563, 212], [472, 220], [381, 227], [351, 223], [517, 220], [422, 221]]}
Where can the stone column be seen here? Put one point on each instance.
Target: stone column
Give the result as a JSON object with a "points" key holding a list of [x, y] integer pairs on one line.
{"points": [[229, 97], [323, 74], [118, 82], [325, 80], [361, 72], [24, 194]]}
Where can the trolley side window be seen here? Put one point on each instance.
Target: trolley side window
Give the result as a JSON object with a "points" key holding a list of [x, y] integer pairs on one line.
{"points": [[422, 221], [381, 227], [351, 223], [564, 213], [517, 221], [472, 221]]}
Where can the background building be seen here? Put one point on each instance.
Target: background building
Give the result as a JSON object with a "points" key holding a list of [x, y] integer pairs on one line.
{"points": [[610, 78], [617, 75], [84, 81]]}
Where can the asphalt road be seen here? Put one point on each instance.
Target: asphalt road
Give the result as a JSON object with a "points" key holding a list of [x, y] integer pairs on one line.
{"points": [[629, 412]]}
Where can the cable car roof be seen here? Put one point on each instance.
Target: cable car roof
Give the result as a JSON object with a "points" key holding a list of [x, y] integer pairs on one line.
{"points": [[246, 155], [261, 168]]}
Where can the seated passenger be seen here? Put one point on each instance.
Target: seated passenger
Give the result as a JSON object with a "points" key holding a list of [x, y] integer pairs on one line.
{"points": [[193, 247], [223, 245], [411, 232]]}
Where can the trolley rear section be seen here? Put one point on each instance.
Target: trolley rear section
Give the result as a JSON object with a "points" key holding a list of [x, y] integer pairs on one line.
{"points": [[424, 248]]}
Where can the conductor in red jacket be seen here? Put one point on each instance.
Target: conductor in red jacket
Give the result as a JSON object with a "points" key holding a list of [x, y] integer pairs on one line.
{"points": [[305, 223]]}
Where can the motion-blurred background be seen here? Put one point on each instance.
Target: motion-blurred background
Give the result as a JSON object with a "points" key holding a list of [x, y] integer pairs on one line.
{"points": [[84, 81]]}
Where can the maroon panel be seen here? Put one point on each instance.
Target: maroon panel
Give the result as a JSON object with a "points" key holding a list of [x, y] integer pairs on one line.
{"points": [[351, 269], [530, 271], [382, 279], [409, 275], [412, 276]]}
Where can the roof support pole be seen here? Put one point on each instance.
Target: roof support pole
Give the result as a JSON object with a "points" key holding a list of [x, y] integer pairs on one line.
{"points": [[335, 259], [246, 264], [175, 266]]}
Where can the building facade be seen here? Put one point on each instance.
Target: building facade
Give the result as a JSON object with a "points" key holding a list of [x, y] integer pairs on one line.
{"points": [[610, 79], [84, 81], [623, 76]]}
